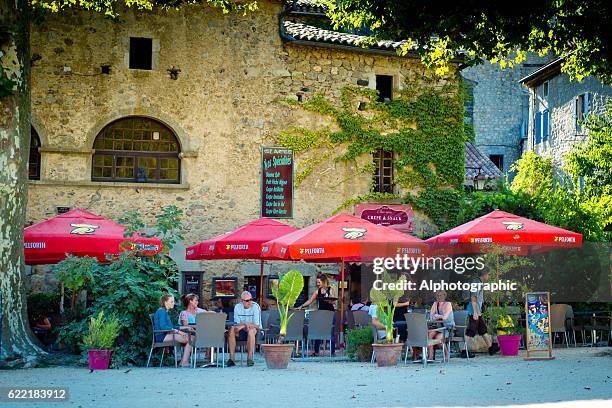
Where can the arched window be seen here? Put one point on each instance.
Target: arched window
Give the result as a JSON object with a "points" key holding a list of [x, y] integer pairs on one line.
{"points": [[34, 160], [136, 149]]}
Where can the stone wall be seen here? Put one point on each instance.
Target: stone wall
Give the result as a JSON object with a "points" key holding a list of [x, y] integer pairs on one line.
{"points": [[500, 107], [560, 102], [223, 107]]}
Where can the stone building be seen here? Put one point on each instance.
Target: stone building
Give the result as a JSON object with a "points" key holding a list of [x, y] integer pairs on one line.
{"points": [[557, 105], [499, 109], [173, 107]]}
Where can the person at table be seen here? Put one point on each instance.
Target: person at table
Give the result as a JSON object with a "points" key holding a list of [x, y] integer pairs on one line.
{"points": [[358, 304], [324, 291], [162, 321], [476, 324], [441, 311], [191, 309], [379, 325], [247, 316], [401, 308]]}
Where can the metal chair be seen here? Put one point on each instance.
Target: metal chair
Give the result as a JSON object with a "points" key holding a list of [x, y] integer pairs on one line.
{"points": [[295, 329], [162, 344], [320, 324], [350, 320], [457, 335], [361, 318], [210, 332], [418, 336], [557, 322], [602, 324], [272, 326]]}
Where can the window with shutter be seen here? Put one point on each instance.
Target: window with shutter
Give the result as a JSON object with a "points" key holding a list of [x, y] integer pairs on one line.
{"points": [[545, 125], [538, 127]]}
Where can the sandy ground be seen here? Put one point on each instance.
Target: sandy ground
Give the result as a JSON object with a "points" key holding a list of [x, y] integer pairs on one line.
{"points": [[577, 377]]}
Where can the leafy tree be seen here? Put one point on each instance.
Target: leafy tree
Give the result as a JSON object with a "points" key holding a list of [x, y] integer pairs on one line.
{"points": [[535, 174], [499, 31]]}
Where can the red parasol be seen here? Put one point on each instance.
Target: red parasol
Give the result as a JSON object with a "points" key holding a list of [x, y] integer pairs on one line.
{"points": [[341, 238], [516, 236], [242, 243], [79, 233]]}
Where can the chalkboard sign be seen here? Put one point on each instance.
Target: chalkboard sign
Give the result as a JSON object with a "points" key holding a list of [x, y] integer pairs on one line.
{"points": [[537, 312], [276, 182]]}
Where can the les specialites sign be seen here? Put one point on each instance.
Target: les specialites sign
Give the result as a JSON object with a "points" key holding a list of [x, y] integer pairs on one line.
{"points": [[276, 182]]}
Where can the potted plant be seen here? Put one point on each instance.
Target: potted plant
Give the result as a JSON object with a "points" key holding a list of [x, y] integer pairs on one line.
{"points": [[286, 292], [385, 299], [359, 343], [509, 333], [99, 340]]}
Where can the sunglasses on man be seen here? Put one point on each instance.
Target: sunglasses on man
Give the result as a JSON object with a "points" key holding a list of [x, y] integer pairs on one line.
{"points": [[247, 300]]}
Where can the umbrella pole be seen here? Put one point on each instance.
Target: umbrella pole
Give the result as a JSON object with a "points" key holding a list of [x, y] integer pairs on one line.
{"points": [[342, 296], [497, 274], [261, 277]]}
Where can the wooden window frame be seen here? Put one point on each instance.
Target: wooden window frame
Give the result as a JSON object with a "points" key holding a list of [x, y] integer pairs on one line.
{"points": [[34, 157], [135, 155], [380, 185]]}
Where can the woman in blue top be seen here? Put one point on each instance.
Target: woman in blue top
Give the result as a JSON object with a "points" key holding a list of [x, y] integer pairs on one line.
{"points": [[162, 321]]}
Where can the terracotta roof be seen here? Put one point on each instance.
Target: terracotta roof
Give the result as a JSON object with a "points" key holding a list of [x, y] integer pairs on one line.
{"points": [[478, 165], [303, 32], [304, 6]]}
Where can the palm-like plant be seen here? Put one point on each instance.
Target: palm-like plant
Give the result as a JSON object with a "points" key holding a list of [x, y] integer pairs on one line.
{"points": [[286, 292], [385, 300]]}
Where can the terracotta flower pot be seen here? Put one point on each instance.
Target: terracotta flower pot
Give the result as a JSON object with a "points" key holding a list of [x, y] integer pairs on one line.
{"points": [[277, 355], [387, 354]]}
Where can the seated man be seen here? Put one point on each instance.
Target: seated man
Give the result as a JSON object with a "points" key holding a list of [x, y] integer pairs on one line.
{"points": [[378, 325], [247, 316]]}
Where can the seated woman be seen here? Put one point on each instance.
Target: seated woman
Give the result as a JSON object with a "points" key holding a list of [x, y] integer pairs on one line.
{"points": [[190, 303], [162, 321], [441, 310]]}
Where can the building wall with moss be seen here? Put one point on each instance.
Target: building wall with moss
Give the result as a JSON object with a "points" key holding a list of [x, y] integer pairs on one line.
{"points": [[238, 89]]}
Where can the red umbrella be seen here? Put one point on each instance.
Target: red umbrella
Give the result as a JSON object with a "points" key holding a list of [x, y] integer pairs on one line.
{"points": [[79, 233], [242, 243], [516, 236], [341, 238]]}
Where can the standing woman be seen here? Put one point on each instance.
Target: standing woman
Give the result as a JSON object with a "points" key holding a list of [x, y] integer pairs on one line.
{"points": [[162, 321], [324, 291]]}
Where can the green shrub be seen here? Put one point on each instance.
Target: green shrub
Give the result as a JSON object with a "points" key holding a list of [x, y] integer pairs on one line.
{"points": [[359, 343], [102, 333]]}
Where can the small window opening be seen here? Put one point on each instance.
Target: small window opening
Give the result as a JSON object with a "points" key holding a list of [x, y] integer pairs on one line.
{"points": [[141, 53], [384, 86]]}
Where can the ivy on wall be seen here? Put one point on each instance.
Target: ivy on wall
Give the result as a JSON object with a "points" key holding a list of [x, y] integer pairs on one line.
{"points": [[424, 128]]}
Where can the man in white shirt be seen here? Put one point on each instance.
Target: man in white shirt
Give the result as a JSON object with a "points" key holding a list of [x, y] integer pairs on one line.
{"points": [[247, 316]]}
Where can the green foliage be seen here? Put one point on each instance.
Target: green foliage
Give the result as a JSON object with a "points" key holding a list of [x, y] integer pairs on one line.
{"points": [[286, 292], [501, 32], [102, 332], [359, 343], [386, 299], [110, 7], [423, 127], [76, 273], [129, 287], [534, 175], [504, 319]]}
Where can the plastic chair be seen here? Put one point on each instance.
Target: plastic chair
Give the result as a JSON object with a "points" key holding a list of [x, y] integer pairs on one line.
{"points": [[350, 320], [320, 324], [162, 344], [361, 318], [272, 326], [295, 328], [418, 336], [210, 332], [457, 335], [557, 322]]}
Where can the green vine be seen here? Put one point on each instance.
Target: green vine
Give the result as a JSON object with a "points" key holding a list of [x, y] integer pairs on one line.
{"points": [[424, 128]]}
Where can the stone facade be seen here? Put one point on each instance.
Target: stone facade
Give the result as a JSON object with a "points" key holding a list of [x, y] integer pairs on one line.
{"points": [[560, 102], [501, 108], [223, 107]]}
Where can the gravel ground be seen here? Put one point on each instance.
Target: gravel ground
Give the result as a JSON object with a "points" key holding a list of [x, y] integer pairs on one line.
{"points": [[577, 377]]}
